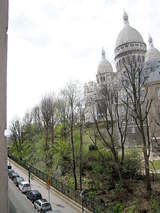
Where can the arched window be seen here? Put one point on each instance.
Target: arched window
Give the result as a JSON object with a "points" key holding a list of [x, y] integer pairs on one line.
{"points": [[128, 59], [133, 58], [139, 58], [142, 58]]}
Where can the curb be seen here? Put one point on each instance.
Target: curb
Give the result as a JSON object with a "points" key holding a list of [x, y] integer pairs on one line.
{"points": [[66, 199]]}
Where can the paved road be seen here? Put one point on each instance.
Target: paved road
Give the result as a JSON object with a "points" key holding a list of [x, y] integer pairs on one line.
{"points": [[58, 205], [18, 203]]}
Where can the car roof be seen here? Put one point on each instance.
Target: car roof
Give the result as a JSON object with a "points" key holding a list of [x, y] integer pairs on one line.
{"points": [[35, 192], [25, 182], [43, 200], [20, 177], [15, 173]]}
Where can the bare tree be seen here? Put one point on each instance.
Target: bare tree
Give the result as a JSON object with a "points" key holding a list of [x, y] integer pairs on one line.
{"points": [[36, 114], [81, 132], [17, 136], [135, 87], [71, 93], [121, 118], [62, 108], [49, 119], [105, 121]]}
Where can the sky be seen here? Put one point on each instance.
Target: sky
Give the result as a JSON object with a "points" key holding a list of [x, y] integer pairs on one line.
{"points": [[52, 42]]}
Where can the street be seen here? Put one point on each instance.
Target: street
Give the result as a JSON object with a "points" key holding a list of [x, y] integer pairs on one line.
{"points": [[20, 204]]}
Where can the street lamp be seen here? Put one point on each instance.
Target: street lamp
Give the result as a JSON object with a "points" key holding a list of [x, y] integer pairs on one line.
{"points": [[29, 174], [82, 195]]}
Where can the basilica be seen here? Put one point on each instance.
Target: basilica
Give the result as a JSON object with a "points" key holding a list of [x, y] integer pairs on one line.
{"points": [[129, 46]]}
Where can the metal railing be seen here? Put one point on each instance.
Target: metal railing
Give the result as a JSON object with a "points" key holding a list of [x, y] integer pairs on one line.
{"points": [[91, 204]]}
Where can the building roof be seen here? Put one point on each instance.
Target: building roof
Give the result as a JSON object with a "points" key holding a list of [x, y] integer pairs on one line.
{"points": [[128, 33], [105, 65], [153, 54]]}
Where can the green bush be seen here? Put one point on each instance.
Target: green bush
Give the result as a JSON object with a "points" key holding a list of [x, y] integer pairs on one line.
{"points": [[132, 165], [92, 147], [155, 205], [118, 208]]}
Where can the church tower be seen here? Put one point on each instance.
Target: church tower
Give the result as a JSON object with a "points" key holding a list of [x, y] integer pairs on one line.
{"points": [[130, 47]]}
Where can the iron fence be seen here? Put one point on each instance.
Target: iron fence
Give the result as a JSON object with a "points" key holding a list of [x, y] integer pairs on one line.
{"points": [[91, 204]]}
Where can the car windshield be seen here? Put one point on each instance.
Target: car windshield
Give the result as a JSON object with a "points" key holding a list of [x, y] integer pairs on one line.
{"points": [[26, 185], [20, 179], [46, 205]]}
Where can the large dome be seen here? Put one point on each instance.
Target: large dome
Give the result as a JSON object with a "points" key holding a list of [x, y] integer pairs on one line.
{"points": [[128, 33], [105, 65], [153, 54]]}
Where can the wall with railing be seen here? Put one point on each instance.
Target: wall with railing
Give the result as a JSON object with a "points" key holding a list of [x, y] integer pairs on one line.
{"points": [[91, 204]]}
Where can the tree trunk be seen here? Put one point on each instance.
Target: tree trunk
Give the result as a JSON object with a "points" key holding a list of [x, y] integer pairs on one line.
{"points": [[115, 155], [81, 146], [122, 153], [147, 173], [52, 134], [146, 162], [73, 152]]}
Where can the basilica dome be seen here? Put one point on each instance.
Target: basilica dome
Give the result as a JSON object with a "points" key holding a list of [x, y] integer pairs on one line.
{"points": [[153, 54], [130, 47], [128, 34], [105, 65]]}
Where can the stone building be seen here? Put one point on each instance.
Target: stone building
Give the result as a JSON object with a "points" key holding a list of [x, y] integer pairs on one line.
{"points": [[130, 47], [3, 86]]}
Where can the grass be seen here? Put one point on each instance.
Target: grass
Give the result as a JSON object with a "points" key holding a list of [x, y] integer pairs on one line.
{"points": [[155, 164]]}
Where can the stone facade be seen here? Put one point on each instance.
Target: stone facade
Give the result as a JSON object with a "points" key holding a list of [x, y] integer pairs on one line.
{"points": [[3, 85], [130, 48]]}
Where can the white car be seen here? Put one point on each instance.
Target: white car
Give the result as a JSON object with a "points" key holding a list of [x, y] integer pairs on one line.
{"points": [[42, 205], [24, 186]]}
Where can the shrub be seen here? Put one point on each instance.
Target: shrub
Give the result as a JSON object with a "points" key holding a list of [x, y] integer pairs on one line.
{"points": [[93, 147], [118, 208], [132, 165]]}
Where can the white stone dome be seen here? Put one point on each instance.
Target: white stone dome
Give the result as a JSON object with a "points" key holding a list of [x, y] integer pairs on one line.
{"points": [[128, 33], [153, 53], [105, 65]]}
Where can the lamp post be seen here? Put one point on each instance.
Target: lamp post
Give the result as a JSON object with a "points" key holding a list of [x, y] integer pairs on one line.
{"points": [[3, 86], [82, 195], [29, 174]]}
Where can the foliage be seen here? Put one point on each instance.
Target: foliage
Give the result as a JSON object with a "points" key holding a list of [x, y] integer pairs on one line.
{"points": [[155, 205], [92, 147], [118, 208], [132, 165]]}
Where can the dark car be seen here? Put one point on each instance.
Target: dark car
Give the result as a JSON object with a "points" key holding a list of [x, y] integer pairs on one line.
{"points": [[13, 175], [10, 171], [33, 195], [9, 167], [18, 180]]}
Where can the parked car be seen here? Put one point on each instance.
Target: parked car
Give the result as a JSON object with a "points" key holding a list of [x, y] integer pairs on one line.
{"points": [[34, 195], [9, 166], [42, 205], [24, 186], [10, 171], [13, 175], [18, 180]]}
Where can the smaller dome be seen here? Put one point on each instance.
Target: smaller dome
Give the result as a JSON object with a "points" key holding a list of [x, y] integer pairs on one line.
{"points": [[105, 65], [153, 53]]}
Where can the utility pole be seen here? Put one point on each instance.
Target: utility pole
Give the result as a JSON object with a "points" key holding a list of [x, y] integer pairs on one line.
{"points": [[3, 86]]}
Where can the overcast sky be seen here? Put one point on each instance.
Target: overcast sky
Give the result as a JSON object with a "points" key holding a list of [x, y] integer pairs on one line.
{"points": [[51, 42]]}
